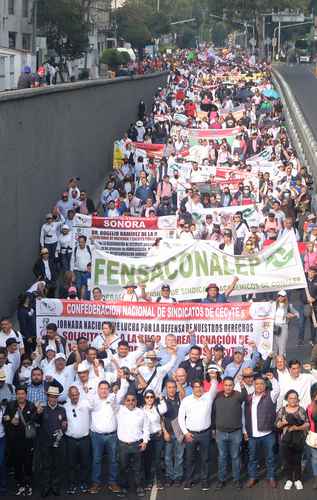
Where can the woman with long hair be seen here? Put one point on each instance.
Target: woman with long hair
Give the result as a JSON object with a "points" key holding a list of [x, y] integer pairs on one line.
{"points": [[311, 440], [283, 313], [293, 423]]}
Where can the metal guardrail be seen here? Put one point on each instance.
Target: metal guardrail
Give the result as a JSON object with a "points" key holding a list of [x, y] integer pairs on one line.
{"points": [[298, 128]]}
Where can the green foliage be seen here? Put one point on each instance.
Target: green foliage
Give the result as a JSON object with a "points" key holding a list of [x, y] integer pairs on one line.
{"points": [[219, 34], [63, 23], [113, 58]]}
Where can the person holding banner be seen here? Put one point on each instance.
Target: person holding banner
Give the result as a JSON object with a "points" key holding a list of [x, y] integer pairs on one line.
{"points": [[213, 295], [283, 313], [107, 340]]}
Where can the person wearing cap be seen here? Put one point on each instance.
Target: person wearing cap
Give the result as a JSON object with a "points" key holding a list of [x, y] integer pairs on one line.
{"points": [[44, 359], [64, 248], [64, 204], [87, 385], [218, 357], [104, 407], [227, 410], [213, 295], [260, 415], [8, 332], [45, 269], [150, 375], [309, 301], [228, 245], [77, 442], [234, 369], [49, 234], [194, 418], [165, 295], [129, 294], [65, 375], [53, 424], [283, 312], [17, 415]]}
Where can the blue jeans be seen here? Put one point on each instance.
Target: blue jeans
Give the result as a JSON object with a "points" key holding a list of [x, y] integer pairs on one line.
{"points": [[229, 448], [268, 444], [174, 456], [101, 443], [313, 454]]}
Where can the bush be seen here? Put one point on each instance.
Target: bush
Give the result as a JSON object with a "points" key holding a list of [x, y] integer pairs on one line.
{"points": [[113, 58], [84, 74]]}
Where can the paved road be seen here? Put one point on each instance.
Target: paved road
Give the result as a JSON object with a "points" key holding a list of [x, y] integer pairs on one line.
{"points": [[303, 83]]}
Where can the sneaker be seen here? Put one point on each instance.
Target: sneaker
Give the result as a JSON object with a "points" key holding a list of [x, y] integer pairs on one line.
{"points": [[20, 491], [288, 485], [71, 491], [187, 486], [95, 488], [219, 485], [204, 486], [114, 488], [140, 492], [28, 491], [298, 485], [83, 488]]}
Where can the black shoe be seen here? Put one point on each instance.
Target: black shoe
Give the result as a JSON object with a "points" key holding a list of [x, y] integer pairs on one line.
{"points": [[45, 493], [219, 485], [204, 486], [178, 483], [168, 483], [237, 485], [140, 492], [187, 485]]}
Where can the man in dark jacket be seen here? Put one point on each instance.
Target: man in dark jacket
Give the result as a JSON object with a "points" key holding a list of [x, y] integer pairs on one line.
{"points": [[45, 270], [193, 366]]}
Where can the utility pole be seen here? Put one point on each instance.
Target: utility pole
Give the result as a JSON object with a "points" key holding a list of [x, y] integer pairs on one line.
{"points": [[34, 26], [158, 6]]}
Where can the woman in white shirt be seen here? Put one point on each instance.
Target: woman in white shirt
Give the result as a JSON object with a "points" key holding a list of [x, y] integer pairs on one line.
{"points": [[152, 455], [283, 313]]}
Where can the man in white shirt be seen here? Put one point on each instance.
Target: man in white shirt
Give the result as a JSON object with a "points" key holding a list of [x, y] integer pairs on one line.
{"points": [[86, 385], [194, 418], [297, 381], [5, 366], [127, 358], [7, 332], [14, 356], [133, 436], [77, 441], [260, 414], [150, 375], [65, 375], [104, 406], [81, 257]]}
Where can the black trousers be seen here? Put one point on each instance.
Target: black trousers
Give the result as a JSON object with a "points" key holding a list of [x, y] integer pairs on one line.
{"points": [[292, 463], [78, 460], [201, 442], [130, 456], [52, 466], [21, 455], [152, 459]]}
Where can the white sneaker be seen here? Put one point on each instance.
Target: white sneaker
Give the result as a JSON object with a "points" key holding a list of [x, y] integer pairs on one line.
{"points": [[298, 485], [288, 485]]}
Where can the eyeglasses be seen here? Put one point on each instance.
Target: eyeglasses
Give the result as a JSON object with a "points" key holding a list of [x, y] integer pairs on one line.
{"points": [[74, 413], [149, 397]]}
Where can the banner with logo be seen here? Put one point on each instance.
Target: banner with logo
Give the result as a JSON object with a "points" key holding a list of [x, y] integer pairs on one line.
{"points": [[130, 236], [223, 216], [191, 267], [195, 134], [227, 324]]}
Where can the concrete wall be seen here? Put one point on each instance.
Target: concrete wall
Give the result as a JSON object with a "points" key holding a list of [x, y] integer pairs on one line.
{"points": [[46, 137]]}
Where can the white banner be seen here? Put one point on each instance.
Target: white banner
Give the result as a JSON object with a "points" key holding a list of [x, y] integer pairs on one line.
{"points": [[223, 216], [227, 324], [191, 267]]}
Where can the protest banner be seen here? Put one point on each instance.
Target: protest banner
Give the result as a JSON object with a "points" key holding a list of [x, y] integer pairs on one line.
{"points": [[223, 216], [195, 134], [227, 324], [130, 236], [190, 268]]}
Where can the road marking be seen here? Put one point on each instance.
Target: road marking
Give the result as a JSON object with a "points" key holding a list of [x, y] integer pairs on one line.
{"points": [[154, 490]]}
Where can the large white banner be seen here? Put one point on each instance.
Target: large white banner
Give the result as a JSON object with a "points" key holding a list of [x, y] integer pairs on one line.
{"points": [[130, 236], [227, 324], [191, 267], [223, 216]]}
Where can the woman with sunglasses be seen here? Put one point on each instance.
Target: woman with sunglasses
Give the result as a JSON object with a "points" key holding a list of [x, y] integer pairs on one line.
{"points": [[152, 455]]}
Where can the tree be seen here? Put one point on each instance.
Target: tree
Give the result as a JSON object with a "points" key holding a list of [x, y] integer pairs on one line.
{"points": [[65, 27], [113, 58]]}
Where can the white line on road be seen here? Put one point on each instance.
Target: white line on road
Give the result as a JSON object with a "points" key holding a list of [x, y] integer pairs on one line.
{"points": [[153, 492]]}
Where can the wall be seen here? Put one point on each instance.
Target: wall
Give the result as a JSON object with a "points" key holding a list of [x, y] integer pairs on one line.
{"points": [[46, 137]]}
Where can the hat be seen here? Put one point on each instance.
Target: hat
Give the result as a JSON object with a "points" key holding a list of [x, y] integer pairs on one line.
{"points": [[239, 349], [139, 123], [60, 355], [311, 217], [214, 368], [82, 367], [72, 289], [44, 250], [27, 69], [49, 216], [219, 347], [282, 293], [151, 355], [2, 376], [64, 226], [312, 268], [130, 285], [165, 286], [11, 341], [212, 285], [53, 391], [50, 348]]}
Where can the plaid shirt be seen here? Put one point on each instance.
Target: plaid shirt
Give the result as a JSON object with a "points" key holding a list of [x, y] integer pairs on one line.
{"points": [[37, 393]]}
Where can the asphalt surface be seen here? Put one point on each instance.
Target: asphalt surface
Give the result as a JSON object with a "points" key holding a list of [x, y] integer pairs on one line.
{"points": [[303, 84]]}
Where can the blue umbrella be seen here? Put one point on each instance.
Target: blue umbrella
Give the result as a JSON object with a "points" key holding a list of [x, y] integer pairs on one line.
{"points": [[270, 93]]}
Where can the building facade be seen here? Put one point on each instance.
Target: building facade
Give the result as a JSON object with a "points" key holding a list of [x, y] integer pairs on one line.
{"points": [[16, 24]]}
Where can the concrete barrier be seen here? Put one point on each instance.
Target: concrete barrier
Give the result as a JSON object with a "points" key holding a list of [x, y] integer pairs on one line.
{"points": [[47, 136]]}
